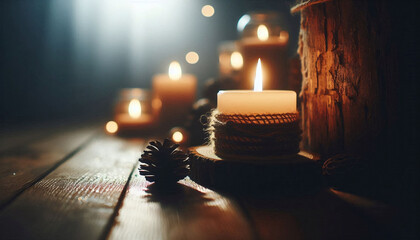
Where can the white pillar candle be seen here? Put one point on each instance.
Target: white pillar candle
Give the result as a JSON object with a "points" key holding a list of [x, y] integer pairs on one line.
{"points": [[176, 93], [257, 101]]}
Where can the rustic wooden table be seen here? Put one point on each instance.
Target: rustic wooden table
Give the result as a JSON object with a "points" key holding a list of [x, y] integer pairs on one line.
{"points": [[61, 182]]}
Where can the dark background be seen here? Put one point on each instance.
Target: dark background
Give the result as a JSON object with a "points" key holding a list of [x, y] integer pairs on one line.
{"points": [[63, 59]]}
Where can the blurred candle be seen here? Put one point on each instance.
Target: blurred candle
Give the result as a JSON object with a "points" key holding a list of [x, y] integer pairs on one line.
{"points": [[271, 46], [230, 59], [176, 93], [133, 110]]}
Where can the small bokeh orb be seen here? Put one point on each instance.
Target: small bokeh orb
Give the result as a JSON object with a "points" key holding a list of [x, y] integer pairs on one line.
{"points": [[179, 135], [207, 11], [111, 127], [192, 57]]}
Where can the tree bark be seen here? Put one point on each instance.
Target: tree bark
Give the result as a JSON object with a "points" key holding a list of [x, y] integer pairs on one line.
{"points": [[349, 84]]}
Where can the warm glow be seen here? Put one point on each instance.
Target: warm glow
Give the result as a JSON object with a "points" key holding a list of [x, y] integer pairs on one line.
{"points": [[175, 71], [262, 32], [284, 37], [156, 103], [192, 57], [177, 137], [134, 108], [236, 60], [111, 127], [207, 11], [258, 77], [224, 59]]}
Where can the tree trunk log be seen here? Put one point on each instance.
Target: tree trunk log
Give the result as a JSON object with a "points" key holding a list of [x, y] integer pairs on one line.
{"points": [[348, 92]]}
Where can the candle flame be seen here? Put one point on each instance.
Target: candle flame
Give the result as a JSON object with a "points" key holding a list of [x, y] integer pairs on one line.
{"points": [[177, 136], [258, 81], [134, 108], [236, 60], [262, 32], [175, 71]]}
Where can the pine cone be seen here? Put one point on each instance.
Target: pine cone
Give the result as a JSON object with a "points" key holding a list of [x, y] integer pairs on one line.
{"points": [[163, 163]]}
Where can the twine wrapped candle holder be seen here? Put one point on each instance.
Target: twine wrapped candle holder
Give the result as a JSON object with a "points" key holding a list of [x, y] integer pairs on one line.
{"points": [[255, 136]]}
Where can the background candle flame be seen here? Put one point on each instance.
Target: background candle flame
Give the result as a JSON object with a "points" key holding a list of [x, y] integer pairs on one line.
{"points": [[258, 81], [175, 71], [236, 60], [262, 32], [134, 108]]}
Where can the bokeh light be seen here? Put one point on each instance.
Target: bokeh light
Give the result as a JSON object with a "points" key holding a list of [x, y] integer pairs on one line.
{"points": [[192, 57], [111, 127], [243, 21], [207, 11], [177, 137]]}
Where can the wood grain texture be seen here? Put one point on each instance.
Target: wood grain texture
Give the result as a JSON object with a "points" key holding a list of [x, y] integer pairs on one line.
{"points": [[11, 138], [78, 199], [349, 89], [17, 135], [193, 213], [23, 165]]}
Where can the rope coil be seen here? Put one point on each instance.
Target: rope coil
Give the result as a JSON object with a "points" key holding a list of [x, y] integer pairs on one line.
{"points": [[255, 135]]}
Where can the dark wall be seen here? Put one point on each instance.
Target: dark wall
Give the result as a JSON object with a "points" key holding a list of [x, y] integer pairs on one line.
{"points": [[45, 75]]}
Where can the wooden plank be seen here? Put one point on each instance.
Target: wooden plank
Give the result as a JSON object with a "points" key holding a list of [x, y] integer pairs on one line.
{"points": [[21, 166], [194, 213], [13, 136], [77, 200], [317, 216]]}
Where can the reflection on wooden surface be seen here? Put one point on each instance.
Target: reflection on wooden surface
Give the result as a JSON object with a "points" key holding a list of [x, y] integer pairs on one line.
{"points": [[77, 183]]}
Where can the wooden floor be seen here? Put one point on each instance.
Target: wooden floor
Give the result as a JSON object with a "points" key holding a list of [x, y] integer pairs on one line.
{"points": [[60, 182]]}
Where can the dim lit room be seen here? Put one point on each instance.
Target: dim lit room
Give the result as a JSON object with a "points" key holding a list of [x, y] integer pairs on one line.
{"points": [[208, 119]]}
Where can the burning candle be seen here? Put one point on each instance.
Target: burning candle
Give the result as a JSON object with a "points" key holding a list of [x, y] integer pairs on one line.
{"points": [[230, 59], [258, 101], [272, 49], [176, 93], [255, 124], [134, 115], [133, 111]]}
